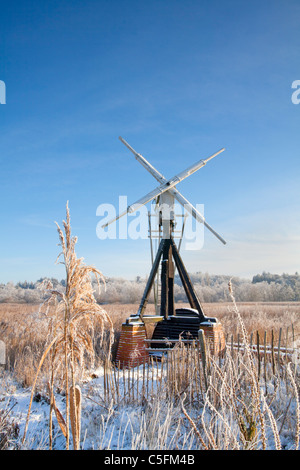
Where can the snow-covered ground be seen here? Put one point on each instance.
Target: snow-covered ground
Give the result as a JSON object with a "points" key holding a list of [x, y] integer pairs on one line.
{"points": [[150, 424]]}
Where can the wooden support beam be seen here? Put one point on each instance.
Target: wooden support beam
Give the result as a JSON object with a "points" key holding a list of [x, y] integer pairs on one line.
{"points": [[171, 275], [186, 282], [150, 281], [164, 278]]}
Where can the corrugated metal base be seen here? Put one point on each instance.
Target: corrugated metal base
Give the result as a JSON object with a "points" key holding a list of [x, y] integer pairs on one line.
{"points": [[185, 325]]}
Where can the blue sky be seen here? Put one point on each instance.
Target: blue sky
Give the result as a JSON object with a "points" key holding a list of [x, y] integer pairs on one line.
{"points": [[178, 80]]}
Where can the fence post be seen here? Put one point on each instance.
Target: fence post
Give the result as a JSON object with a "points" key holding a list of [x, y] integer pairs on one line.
{"points": [[279, 343], [104, 378], [203, 354], [272, 354], [265, 359], [258, 354]]}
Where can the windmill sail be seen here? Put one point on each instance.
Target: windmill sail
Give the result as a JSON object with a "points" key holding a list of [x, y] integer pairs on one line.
{"points": [[195, 213], [168, 186]]}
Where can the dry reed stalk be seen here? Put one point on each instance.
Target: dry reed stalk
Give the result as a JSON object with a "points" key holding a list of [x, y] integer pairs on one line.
{"points": [[116, 384], [72, 321], [192, 423], [75, 414], [34, 383], [295, 389], [60, 418], [223, 420], [253, 375], [273, 425], [207, 430]]}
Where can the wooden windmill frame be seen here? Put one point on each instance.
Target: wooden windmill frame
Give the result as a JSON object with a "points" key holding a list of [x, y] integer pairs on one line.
{"points": [[168, 254]]}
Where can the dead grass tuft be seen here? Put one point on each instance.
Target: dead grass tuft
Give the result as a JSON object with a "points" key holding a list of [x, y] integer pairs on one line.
{"points": [[71, 318]]}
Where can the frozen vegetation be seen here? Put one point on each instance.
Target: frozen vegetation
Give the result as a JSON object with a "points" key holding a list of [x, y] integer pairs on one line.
{"points": [[263, 287]]}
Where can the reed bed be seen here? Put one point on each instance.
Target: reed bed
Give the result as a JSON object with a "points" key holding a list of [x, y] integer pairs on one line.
{"points": [[69, 346], [246, 398], [23, 329], [222, 402], [182, 369], [229, 402]]}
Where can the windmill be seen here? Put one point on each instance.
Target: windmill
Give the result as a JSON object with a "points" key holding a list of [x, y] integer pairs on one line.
{"points": [[171, 322]]}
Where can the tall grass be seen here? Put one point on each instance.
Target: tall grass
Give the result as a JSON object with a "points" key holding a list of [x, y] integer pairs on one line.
{"points": [[228, 408], [225, 401], [24, 329], [69, 343], [189, 398]]}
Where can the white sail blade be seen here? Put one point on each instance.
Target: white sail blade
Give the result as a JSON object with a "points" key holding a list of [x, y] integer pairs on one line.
{"points": [[114, 219], [142, 160], [190, 170], [158, 176], [141, 202], [182, 200], [168, 185], [177, 178], [193, 211]]}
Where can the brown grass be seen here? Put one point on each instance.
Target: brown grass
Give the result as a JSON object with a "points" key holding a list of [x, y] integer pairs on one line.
{"points": [[23, 330], [70, 316], [226, 400], [71, 332], [256, 316]]}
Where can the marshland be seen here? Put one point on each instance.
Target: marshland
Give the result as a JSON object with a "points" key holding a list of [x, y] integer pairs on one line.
{"points": [[238, 401], [62, 388], [178, 81]]}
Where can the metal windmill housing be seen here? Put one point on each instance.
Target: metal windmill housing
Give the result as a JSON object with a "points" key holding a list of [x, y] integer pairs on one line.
{"points": [[171, 322], [167, 191]]}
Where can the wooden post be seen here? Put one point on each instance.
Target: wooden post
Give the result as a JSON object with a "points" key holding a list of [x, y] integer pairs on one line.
{"points": [[279, 344], [124, 383], [258, 354], [143, 387], [198, 371], [203, 355], [286, 344], [265, 360], [161, 373], [104, 378], [128, 381], [147, 381], [152, 376], [111, 388], [272, 353]]}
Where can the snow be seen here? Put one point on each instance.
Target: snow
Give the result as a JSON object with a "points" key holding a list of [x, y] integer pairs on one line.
{"points": [[152, 424], [103, 425]]}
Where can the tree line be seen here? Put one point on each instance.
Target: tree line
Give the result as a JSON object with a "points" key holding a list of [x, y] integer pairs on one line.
{"points": [[265, 287]]}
